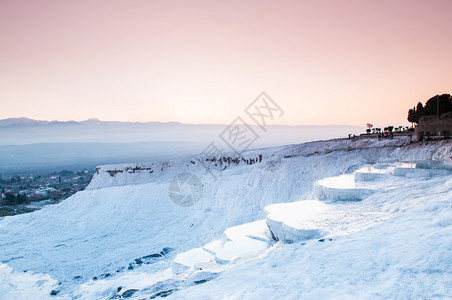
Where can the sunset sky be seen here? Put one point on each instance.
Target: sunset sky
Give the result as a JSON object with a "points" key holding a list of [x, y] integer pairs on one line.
{"points": [[323, 62]]}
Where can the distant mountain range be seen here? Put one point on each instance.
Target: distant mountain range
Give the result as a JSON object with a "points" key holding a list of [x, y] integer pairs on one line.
{"points": [[20, 122], [31, 122]]}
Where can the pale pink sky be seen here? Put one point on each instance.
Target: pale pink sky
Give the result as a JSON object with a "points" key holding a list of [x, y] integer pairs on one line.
{"points": [[323, 62]]}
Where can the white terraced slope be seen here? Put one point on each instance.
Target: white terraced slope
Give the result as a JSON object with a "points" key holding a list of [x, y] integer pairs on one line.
{"points": [[124, 237], [239, 243], [309, 219]]}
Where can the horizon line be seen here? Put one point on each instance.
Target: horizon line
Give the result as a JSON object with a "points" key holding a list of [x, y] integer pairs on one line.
{"points": [[182, 123]]}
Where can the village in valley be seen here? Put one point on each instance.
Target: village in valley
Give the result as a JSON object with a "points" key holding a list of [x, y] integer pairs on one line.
{"points": [[26, 193]]}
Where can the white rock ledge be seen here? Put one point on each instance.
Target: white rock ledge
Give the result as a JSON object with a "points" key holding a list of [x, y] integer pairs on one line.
{"points": [[213, 247], [296, 221], [423, 168], [194, 258], [256, 230], [241, 249], [341, 188], [370, 173], [243, 242]]}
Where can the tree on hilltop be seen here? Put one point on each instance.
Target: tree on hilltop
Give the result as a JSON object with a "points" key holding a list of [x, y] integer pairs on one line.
{"points": [[415, 113], [445, 105]]}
